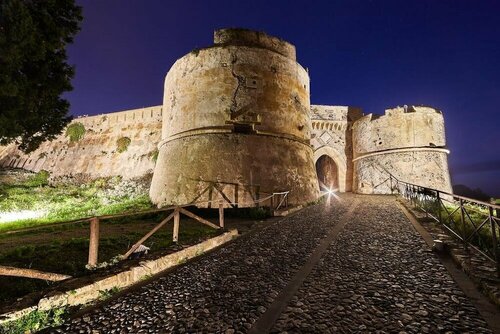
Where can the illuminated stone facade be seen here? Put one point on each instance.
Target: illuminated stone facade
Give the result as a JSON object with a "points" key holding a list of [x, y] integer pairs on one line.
{"points": [[236, 124]]}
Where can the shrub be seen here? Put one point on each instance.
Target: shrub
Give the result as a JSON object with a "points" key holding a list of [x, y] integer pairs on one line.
{"points": [[75, 132], [122, 144], [35, 321]]}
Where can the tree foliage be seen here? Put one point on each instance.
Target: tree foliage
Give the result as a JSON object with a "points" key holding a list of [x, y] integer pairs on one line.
{"points": [[33, 69], [463, 190]]}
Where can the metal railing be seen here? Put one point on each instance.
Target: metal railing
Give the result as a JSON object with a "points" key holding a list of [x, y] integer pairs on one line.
{"points": [[475, 223]]}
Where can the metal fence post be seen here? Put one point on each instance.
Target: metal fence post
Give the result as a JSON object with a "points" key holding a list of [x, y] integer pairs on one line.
{"points": [[414, 196], [438, 197], [462, 220], [494, 239]]}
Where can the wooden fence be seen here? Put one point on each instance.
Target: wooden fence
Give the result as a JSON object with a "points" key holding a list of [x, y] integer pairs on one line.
{"points": [[277, 200]]}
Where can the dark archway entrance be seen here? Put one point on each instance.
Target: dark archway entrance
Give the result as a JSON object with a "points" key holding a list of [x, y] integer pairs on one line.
{"points": [[327, 172]]}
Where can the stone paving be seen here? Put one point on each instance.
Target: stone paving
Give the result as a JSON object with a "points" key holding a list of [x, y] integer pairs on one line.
{"points": [[377, 276], [225, 291]]}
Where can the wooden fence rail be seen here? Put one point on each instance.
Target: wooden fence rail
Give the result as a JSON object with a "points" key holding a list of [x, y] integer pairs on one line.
{"points": [[277, 200], [31, 273]]}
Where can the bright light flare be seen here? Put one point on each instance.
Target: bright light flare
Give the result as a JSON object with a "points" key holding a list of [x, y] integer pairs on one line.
{"points": [[6, 217], [329, 193]]}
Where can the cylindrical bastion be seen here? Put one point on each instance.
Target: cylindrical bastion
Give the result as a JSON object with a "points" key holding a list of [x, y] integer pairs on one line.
{"points": [[236, 124], [407, 142]]}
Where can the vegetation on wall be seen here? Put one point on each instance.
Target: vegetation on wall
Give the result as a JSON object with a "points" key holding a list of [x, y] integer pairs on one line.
{"points": [[122, 144], [75, 132], [154, 155]]}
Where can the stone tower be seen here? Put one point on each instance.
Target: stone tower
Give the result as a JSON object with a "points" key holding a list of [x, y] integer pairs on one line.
{"points": [[407, 142], [236, 124]]}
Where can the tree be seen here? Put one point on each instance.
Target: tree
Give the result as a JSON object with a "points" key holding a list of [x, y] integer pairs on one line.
{"points": [[33, 69], [463, 190]]}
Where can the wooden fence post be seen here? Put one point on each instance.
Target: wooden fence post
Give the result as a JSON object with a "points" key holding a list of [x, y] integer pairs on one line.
{"points": [[94, 241], [177, 217], [236, 194], [221, 214]]}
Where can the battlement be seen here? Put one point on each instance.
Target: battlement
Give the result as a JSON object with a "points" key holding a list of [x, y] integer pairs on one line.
{"points": [[404, 111], [245, 37], [146, 114], [400, 127], [411, 109], [335, 113]]}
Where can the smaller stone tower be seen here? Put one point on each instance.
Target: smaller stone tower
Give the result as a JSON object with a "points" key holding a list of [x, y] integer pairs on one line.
{"points": [[407, 142]]}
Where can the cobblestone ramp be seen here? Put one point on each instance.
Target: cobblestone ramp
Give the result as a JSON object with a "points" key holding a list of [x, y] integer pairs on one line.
{"points": [[379, 276], [226, 290]]}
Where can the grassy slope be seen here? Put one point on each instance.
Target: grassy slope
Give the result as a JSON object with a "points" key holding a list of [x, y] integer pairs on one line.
{"points": [[42, 248], [45, 255], [67, 201]]}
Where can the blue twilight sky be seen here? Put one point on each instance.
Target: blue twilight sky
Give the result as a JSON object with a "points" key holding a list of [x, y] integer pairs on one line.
{"points": [[370, 54]]}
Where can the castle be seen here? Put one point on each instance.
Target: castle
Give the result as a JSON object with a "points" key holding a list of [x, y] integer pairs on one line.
{"points": [[236, 124]]}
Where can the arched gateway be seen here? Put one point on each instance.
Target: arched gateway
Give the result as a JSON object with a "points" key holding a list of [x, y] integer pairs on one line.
{"points": [[331, 168]]}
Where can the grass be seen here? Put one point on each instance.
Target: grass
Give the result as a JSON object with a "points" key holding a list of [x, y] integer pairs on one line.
{"points": [[474, 216], [63, 248], [67, 201], [34, 321], [45, 255]]}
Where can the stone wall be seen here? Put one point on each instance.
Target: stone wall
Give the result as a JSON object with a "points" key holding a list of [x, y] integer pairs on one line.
{"points": [[331, 135], [96, 154], [407, 142]]}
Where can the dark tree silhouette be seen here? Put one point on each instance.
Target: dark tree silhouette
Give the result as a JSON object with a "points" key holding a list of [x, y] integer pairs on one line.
{"points": [[33, 69], [465, 191]]}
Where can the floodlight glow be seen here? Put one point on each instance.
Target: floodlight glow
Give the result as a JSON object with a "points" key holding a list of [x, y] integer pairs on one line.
{"points": [[12, 216]]}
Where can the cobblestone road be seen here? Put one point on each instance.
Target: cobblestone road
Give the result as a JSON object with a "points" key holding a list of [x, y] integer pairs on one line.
{"points": [[377, 275]]}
